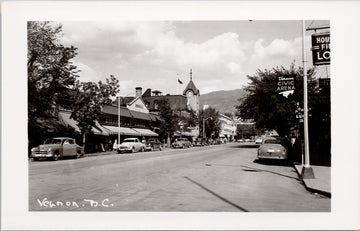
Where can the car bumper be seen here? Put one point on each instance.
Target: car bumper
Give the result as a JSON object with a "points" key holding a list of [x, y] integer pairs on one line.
{"points": [[41, 155], [125, 149], [272, 157]]}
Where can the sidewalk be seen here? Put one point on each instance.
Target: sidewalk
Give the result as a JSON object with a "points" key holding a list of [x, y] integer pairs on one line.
{"points": [[322, 182]]}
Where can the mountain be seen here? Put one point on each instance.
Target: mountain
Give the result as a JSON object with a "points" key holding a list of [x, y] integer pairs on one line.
{"points": [[223, 101]]}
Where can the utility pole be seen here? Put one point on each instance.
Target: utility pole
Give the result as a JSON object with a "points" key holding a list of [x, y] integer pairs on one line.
{"points": [[119, 120], [306, 172]]}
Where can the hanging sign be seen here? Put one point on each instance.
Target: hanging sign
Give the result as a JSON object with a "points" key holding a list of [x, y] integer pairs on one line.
{"points": [[286, 83], [321, 48]]}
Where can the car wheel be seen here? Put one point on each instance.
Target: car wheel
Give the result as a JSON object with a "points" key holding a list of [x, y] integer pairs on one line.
{"points": [[152, 148], [36, 159], [55, 157], [77, 155], [160, 148], [133, 150], [118, 151], [142, 149]]}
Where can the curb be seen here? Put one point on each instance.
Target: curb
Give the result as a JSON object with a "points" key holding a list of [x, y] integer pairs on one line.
{"points": [[310, 189], [99, 154]]}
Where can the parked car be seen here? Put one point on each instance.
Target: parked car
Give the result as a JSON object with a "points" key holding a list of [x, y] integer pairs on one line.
{"points": [[131, 145], [271, 148], [258, 140], [152, 144], [199, 142], [181, 143], [57, 147]]}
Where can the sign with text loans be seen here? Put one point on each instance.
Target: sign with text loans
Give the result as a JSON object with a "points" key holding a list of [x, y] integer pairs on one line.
{"points": [[320, 48]]}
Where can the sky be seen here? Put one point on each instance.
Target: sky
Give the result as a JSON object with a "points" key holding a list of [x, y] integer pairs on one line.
{"points": [[155, 54]]}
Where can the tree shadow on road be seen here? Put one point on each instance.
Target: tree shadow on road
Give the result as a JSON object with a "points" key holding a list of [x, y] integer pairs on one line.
{"points": [[215, 194], [252, 169]]}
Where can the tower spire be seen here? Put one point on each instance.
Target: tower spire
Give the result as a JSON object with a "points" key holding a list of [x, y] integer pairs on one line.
{"points": [[190, 74]]}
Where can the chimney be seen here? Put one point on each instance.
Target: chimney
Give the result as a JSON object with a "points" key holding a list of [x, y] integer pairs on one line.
{"points": [[138, 92]]}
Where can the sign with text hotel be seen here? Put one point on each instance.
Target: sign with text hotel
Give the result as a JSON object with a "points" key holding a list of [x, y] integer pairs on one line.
{"points": [[321, 48]]}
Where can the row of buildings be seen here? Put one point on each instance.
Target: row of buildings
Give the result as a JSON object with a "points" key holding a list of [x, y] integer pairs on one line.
{"points": [[139, 117]]}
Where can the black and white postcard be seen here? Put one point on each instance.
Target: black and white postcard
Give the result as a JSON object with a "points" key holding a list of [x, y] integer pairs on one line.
{"points": [[180, 115]]}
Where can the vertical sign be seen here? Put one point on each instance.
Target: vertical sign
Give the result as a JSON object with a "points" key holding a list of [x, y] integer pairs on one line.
{"points": [[321, 48]]}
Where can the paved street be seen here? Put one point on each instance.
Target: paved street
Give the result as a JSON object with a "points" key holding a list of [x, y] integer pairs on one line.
{"points": [[212, 178]]}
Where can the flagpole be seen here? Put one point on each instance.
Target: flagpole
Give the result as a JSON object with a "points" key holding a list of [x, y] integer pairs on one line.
{"points": [[177, 84]]}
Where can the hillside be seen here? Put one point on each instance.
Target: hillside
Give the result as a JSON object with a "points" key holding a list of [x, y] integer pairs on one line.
{"points": [[223, 101]]}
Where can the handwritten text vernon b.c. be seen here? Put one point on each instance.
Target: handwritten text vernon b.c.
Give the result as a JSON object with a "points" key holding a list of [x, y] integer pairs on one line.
{"points": [[74, 204]]}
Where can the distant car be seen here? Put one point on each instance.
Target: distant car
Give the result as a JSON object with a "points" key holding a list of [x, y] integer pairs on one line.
{"points": [[240, 140], [271, 148], [199, 142], [131, 145], [152, 144], [247, 140], [57, 147], [181, 143], [258, 140]]}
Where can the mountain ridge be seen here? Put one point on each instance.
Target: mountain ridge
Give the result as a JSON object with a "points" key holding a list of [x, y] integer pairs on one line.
{"points": [[223, 101]]}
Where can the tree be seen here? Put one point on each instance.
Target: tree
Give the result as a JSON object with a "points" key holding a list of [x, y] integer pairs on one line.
{"points": [[50, 71], [89, 100], [266, 107], [246, 131], [170, 122], [209, 117]]}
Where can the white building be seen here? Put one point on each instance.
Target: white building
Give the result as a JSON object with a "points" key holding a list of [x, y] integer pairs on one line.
{"points": [[227, 127]]}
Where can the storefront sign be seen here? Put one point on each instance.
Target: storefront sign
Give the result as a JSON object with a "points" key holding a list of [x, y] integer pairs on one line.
{"points": [[319, 99], [324, 83], [321, 48]]}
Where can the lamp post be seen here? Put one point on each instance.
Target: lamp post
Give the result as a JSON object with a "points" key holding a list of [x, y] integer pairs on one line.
{"points": [[306, 172], [119, 120]]}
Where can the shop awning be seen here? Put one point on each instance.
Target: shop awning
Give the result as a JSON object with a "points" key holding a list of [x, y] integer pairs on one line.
{"points": [[123, 131], [97, 129], [145, 132]]}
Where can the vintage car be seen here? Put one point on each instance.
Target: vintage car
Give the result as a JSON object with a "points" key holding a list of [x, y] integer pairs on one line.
{"points": [[271, 148], [258, 140], [56, 147], [181, 143], [199, 142], [131, 145], [152, 144]]}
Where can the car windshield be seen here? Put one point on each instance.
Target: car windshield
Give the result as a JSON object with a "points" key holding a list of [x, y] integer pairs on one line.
{"points": [[272, 141], [130, 140], [53, 141]]}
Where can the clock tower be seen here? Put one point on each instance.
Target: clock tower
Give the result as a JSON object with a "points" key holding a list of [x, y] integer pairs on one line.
{"points": [[192, 94]]}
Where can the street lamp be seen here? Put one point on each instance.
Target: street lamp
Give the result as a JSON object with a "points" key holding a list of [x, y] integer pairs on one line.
{"points": [[306, 172], [119, 120]]}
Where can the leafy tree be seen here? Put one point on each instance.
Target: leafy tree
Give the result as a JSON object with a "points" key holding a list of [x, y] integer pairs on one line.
{"points": [[190, 120], [50, 71], [246, 131], [91, 96], [210, 117], [269, 109], [170, 123]]}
